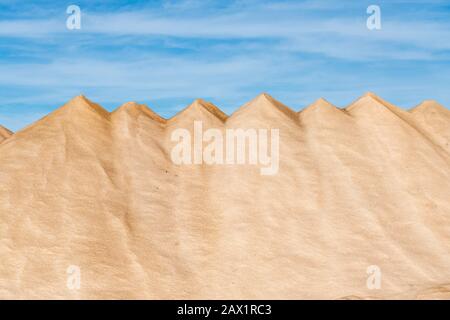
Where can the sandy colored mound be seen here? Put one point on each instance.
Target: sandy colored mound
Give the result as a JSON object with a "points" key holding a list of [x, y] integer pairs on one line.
{"points": [[360, 186], [434, 118], [4, 133]]}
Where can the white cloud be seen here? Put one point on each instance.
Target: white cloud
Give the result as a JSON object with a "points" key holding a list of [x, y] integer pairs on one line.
{"points": [[418, 36], [229, 54]]}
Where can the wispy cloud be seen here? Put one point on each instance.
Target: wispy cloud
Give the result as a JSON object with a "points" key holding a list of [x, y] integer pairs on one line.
{"points": [[168, 52]]}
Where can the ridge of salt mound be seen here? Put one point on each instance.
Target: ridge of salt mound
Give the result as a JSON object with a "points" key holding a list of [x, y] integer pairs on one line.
{"points": [[135, 109], [198, 110], [323, 114], [82, 104], [265, 105], [371, 103], [4, 133], [430, 106], [78, 111], [321, 105], [369, 99]]}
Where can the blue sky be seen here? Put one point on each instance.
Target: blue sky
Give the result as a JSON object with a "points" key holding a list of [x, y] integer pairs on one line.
{"points": [[166, 53]]}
